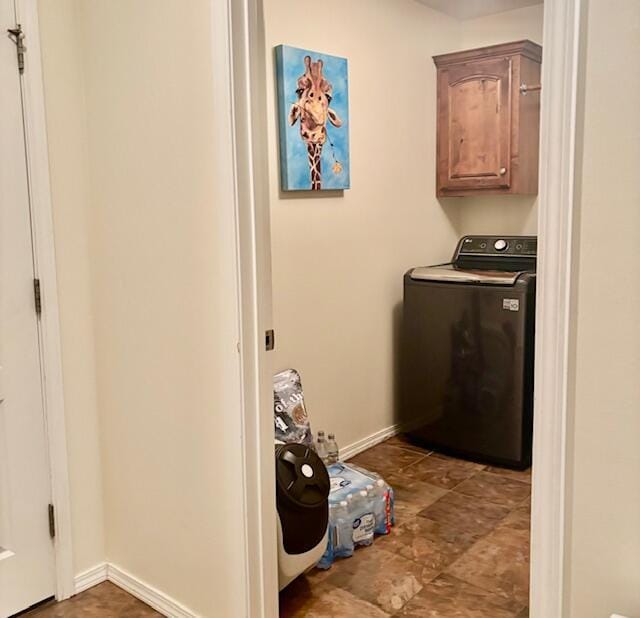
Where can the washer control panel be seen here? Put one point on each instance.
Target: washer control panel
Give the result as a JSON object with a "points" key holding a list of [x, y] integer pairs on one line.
{"points": [[512, 246]]}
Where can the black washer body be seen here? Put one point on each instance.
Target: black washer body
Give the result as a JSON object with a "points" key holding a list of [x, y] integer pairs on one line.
{"points": [[468, 352]]}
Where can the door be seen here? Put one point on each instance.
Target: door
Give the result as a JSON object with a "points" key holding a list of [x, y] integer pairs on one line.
{"points": [[27, 573], [474, 126]]}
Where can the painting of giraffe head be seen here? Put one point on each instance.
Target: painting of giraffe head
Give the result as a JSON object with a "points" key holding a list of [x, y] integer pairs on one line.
{"points": [[313, 114], [312, 109]]}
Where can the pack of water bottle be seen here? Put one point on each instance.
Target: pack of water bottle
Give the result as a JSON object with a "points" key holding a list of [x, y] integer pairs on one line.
{"points": [[361, 505]]}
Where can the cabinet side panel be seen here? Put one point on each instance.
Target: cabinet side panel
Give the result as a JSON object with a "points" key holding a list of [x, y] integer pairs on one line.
{"points": [[528, 127], [442, 133], [516, 149]]}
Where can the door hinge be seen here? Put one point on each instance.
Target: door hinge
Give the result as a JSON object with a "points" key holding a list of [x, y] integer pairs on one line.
{"points": [[52, 521], [17, 36], [37, 296], [270, 339]]}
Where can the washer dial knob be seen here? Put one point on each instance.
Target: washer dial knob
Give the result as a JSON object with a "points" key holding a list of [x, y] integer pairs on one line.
{"points": [[500, 245]]}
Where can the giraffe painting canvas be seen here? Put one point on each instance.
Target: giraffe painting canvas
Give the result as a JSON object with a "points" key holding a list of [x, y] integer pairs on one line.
{"points": [[313, 101]]}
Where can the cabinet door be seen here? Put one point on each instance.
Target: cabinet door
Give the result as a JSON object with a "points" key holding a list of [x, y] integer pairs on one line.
{"points": [[474, 141]]}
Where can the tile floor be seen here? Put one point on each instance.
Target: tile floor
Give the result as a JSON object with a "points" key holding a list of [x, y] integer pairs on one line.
{"points": [[460, 548], [105, 600]]}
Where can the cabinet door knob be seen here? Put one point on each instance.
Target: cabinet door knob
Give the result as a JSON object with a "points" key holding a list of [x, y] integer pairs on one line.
{"points": [[503, 171]]}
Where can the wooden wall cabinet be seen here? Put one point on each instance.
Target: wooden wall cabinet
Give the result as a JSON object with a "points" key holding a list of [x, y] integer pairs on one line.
{"points": [[488, 125]]}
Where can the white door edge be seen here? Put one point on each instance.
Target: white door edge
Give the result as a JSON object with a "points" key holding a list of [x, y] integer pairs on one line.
{"points": [[557, 162], [238, 55], [42, 221]]}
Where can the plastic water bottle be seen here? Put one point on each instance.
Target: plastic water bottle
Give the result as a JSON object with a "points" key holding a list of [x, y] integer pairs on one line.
{"points": [[391, 505], [344, 530], [321, 447], [364, 520], [370, 495], [371, 499], [327, 558], [379, 498], [332, 449]]}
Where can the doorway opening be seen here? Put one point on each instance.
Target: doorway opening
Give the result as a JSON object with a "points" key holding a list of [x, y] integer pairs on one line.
{"points": [[461, 528], [337, 262]]}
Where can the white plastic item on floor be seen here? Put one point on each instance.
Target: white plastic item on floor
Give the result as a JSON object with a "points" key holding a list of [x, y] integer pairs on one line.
{"points": [[290, 566], [302, 490]]}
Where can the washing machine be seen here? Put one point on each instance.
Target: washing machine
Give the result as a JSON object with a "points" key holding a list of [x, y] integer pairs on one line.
{"points": [[468, 351]]}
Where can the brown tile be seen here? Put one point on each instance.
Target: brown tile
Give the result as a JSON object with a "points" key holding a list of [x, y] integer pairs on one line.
{"points": [[518, 475], [385, 459], [463, 514], [498, 562], [427, 542], [442, 537], [494, 488], [519, 518], [524, 613], [448, 597], [297, 595], [442, 471], [105, 600], [323, 601], [411, 496], [316, 576], [379, 577], [402, 441]]}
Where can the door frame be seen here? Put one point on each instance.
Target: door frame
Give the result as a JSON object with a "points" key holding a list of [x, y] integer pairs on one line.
{"points": [[560, 69], [247, 68], [37, 160], [239, 63]]}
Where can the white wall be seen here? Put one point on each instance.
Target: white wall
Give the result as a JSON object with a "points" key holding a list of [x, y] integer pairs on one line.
{"points": [[524, 23], [603, 562], [338, 260], [66, 120], [138, 213]]}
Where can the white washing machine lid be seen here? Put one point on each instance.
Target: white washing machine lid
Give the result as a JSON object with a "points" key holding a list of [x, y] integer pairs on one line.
{"points": [[452, 273]]}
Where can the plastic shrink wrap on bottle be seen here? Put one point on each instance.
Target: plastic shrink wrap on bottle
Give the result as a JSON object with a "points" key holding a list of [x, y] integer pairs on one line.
{"points": [[361, 505]]}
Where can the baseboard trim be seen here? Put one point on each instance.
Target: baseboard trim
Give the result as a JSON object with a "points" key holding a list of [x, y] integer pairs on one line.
{"points": [[160, 601], [141, 590], [90, 578], [147, 593], [375, 438]]}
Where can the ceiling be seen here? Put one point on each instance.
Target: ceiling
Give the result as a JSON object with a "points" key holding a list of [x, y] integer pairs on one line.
{"points": [[468, 9]]}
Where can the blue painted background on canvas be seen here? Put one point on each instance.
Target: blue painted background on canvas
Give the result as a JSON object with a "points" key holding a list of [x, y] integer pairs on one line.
{"points": [[294, 166]]}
